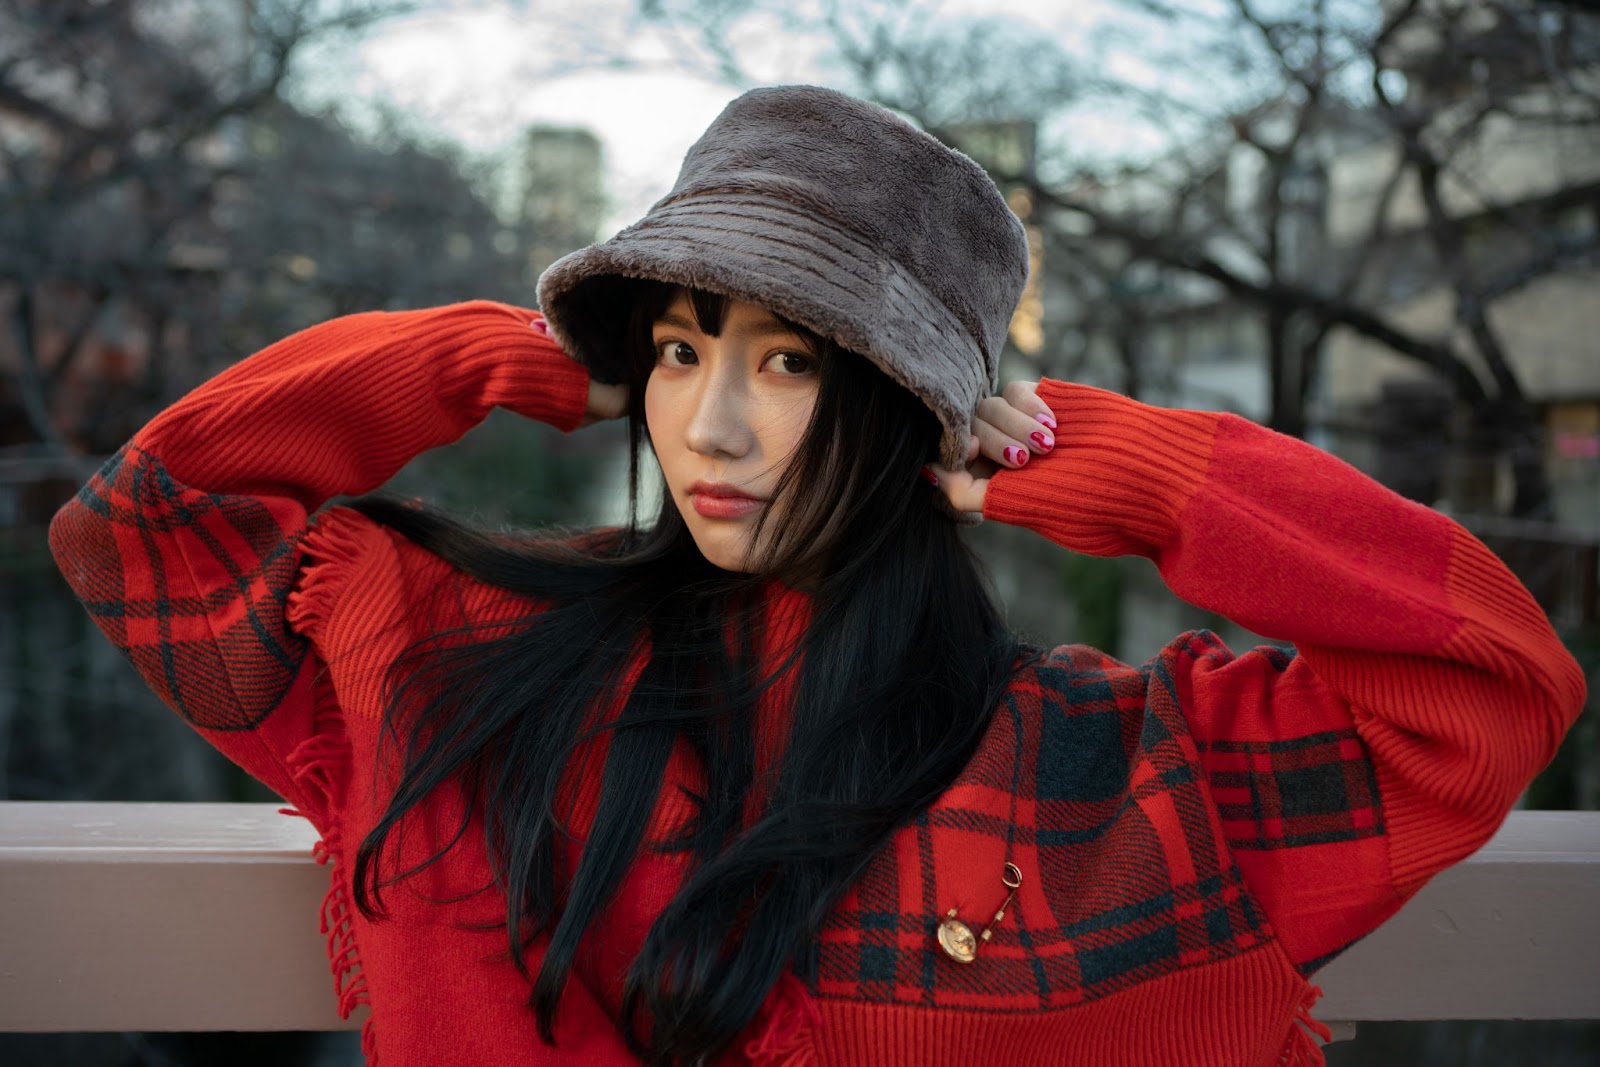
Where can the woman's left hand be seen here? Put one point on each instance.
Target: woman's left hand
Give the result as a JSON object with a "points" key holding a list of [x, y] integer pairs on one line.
{"points": [[1007, 431]]}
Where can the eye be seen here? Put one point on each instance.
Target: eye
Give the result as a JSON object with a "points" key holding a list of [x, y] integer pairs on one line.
{"points": [[792, 363], [675, 354]]}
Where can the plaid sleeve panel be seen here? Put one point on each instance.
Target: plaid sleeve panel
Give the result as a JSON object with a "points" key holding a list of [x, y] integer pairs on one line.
{"points": [[191, 586], [1314, 787], [1295, 789], [1310, 790]]}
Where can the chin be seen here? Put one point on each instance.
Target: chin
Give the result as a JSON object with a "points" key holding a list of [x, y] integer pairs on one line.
{"points": [[724, 556], [724, 544]]}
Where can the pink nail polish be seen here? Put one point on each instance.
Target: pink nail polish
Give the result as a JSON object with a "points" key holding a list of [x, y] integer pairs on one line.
{"points": [[539, 324], [1017, 456], [1043, 440], [930, 477], [1047, 420]]}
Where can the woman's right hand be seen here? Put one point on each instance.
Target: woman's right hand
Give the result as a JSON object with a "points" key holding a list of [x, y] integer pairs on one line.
{"points": [[605, 402]]}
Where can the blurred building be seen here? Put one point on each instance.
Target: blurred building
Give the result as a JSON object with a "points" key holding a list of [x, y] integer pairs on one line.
{"points": [[1524, 192], [562, 200]]}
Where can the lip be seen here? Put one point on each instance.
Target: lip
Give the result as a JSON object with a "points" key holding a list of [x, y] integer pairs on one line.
{"points": [[719, 500]]}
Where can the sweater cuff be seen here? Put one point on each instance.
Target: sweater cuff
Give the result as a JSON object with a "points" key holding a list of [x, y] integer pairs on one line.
{"points": [[496, 355], [1120, 474]]}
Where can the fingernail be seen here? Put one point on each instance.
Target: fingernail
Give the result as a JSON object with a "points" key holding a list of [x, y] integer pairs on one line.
{"points": [[1016, 456], [1047, 420], [930, 477], [1043, 440], [538, 324]]}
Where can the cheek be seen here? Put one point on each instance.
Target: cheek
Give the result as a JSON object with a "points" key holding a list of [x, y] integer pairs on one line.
{"points": [[783, 425], [657, 411]]}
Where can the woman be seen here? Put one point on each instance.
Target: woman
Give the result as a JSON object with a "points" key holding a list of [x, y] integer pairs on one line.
{"points": [[766, 779]]}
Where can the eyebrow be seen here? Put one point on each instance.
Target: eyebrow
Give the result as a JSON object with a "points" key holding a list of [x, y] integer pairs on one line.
{"points": [[768, 328]]}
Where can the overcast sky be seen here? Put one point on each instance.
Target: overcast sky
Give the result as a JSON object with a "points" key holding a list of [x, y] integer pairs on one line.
{"points": [[480, 71]]}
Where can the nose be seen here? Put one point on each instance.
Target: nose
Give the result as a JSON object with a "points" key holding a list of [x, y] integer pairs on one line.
{"points": [[719, 424]]}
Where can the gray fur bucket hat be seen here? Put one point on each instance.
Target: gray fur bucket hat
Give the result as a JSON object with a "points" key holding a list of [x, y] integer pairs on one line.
{"points": [[837, 215]]}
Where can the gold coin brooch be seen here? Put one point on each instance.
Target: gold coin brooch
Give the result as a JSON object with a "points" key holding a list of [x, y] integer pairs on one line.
{"points": [[957, 938]]}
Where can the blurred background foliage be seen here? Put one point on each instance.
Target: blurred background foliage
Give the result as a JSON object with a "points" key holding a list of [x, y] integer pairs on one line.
{"points": [[1374, 224]]}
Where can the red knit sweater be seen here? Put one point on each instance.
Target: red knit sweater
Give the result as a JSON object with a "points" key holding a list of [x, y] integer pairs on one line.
{"points": [[1197, 835]]}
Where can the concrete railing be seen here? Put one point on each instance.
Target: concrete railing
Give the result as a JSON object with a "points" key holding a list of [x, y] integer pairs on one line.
{"points": [[203, 917]]}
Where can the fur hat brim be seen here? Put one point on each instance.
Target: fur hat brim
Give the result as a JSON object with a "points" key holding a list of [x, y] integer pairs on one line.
{"points": [[791, 260]]}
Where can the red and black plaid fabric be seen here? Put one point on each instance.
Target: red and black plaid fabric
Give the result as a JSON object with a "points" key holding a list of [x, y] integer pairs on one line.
{"points": [[1090, 781], [1089, 778], [1305, 791], [1313, 789], [190, 585]]}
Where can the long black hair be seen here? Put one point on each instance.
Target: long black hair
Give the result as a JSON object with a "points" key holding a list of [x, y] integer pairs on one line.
{"points": [[893, 682]]}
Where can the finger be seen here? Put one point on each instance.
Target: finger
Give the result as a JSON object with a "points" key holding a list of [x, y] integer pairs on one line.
{"points": [[606, 401], [999, 447], [1024, 396], [1022, 426], [964, 490]]}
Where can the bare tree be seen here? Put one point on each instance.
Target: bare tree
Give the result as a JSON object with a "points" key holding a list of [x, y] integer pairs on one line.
{"points": [[163, 212], [120, 131], [1236, 208]]}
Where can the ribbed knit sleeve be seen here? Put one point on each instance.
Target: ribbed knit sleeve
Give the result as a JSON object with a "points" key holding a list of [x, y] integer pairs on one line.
{"points": [[1425, 688], [186, 544]]}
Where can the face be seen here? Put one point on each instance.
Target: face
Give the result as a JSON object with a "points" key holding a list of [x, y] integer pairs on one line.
{"points": [[725, 414]]}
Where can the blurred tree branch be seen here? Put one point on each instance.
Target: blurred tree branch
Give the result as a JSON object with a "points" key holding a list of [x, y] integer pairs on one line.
{"points": [[117, 129], [1420, 87]]}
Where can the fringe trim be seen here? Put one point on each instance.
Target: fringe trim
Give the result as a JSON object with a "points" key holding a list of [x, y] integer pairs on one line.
{"points": [[786, 1037], [320, 765], [349, 981], [331, 547], [1300, 1049]]}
